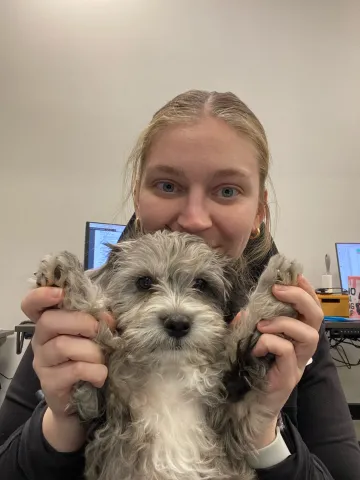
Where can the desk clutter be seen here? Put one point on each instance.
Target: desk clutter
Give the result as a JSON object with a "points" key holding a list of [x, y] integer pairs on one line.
{"points": [[341, 330], [334, 305], [4, 334]]}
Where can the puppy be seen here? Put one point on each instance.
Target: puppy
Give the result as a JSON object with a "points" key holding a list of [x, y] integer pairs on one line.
{"points": [[182, 398]]}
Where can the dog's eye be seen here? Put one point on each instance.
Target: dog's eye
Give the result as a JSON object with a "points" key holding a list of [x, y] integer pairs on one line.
{"points": [[144, 283], [200, 284]]}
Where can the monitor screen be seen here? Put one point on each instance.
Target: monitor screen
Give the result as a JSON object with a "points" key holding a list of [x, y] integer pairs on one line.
{"points": [[348, 256], [97, 235]]}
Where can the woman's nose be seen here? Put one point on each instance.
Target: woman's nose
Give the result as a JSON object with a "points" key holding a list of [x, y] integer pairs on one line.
{"points": [[194, 217]]}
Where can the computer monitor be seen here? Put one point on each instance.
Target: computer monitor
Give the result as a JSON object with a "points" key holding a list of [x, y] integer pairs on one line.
{"points": [[97, 235], [348, 257]]}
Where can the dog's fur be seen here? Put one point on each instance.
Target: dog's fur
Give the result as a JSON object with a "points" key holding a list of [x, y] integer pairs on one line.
{"points": [[172, 407]]}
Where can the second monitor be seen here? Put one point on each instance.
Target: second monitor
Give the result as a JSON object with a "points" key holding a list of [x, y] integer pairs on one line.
{"points": [[97, 235]]}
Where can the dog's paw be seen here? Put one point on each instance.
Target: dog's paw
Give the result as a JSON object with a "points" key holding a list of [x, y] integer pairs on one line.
{"points": [[87, 401], [65, 271], [54, 270], [280, 270], [262, 303], [246, 372]]}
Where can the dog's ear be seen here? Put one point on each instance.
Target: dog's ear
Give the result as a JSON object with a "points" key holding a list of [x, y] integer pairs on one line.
{"points": [[103, 274]]}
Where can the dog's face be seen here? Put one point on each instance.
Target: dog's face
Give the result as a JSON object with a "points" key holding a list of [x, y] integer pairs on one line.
{"points": [[168, 293]]}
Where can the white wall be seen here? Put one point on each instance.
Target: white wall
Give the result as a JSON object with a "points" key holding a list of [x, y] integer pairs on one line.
{"points": [[79, 78]]}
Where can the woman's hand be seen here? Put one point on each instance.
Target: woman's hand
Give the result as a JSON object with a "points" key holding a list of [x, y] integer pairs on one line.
{"points": [[64, 353], [292, 353]]}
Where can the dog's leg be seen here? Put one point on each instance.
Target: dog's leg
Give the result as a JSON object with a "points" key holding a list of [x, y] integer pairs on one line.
{"points": [[245, 381], [80, 294], [247, 372]]}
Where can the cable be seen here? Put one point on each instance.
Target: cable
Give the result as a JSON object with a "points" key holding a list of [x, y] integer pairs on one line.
{"points": [[344, 359], [7, 378], [351, 342]]}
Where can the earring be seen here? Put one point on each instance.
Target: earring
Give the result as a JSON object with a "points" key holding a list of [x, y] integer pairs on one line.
{"points": [[255, 234]]}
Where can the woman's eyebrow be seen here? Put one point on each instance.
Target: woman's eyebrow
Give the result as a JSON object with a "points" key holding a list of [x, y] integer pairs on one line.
{"points": [[179, 172], [167, 169], [231, 172]]}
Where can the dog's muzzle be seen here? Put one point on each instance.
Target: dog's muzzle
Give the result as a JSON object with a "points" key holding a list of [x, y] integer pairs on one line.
{"points": [[177, 325]]}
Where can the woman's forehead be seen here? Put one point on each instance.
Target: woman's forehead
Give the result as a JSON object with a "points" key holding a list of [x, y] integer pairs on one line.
{"points": [[208, 144]]}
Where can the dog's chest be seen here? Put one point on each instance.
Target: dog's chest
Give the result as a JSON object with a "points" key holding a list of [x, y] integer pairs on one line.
{"points": [[167, 406], [172, 416]]}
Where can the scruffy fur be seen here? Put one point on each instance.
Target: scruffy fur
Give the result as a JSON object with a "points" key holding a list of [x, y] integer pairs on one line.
{"points": [[171, 408]]}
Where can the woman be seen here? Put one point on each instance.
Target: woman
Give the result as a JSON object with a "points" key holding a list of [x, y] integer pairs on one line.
{"points": [[201, 167]]}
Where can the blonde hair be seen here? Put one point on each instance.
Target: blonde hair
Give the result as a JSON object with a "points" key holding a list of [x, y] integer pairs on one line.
{"points": [[189, 107]]}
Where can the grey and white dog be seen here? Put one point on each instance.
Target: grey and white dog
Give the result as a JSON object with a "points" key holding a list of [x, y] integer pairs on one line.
{"points": [[182, 399]]}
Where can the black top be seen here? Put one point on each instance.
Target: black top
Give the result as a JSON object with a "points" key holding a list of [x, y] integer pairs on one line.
{"points": [[318, 431]]}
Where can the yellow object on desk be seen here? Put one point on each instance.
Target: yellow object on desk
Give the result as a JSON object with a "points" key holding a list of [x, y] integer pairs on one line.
{"points": [[334, 305]]}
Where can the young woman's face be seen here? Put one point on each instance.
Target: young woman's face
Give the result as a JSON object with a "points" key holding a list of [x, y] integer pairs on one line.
{"points": [[202, 179]]}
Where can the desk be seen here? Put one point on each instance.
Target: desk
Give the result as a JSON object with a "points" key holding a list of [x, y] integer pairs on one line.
{"points": [[335, 328], [346, 330], [4, 334], [23, 331], [338, 330]]}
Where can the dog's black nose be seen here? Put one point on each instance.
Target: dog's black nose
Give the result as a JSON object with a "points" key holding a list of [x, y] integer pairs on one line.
{"points": [[177, 325]]}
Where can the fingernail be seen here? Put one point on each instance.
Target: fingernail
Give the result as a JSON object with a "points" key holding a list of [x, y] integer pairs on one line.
{"points": [[56, 292], [263, 323], [281, 288]]}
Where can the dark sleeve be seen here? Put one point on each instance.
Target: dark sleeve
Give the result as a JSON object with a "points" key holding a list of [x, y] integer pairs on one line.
{"points": [[20, 399], [257, 266], [26, 455], [324, 419], [300, 465], [129, 230], [323, 446]]}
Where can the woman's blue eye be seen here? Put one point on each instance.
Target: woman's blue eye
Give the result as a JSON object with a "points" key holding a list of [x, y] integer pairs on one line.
{"points": [[167, 187], [228, 192]]}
